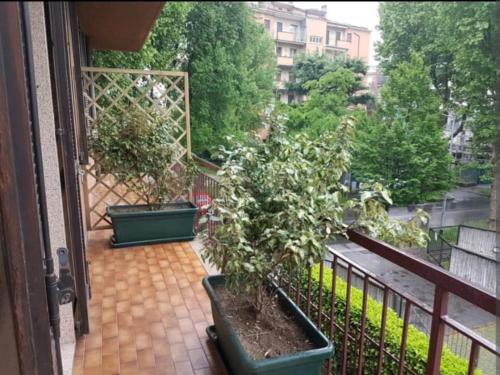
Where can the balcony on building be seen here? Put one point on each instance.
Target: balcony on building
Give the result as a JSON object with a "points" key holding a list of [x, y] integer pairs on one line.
{"points": [[285, 61], [291, 37]]}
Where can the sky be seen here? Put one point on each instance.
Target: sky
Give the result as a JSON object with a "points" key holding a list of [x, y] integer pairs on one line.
{"points": [[359, 13]]}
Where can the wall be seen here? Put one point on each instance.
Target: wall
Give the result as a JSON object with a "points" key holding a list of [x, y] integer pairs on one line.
{"points": [[51, 166], [315, 27], [364, 44]]}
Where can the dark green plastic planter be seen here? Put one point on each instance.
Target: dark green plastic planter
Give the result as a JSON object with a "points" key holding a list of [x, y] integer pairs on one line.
{"points": [[135, 225], [309, 362]]}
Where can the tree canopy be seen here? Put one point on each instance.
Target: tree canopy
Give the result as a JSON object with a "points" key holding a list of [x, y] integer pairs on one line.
{"points": [[333, 85], [403, 145], [231, 63], [456, 41], [311, 67]]}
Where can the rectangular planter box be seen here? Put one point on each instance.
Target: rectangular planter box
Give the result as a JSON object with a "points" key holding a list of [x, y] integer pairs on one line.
{"points": [[135, 225], [308, 362]]}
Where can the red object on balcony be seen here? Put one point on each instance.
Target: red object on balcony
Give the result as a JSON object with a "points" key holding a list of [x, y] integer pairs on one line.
{"points": [[201, 200]]}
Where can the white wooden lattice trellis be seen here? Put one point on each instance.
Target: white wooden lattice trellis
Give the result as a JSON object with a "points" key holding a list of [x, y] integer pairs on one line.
{"points": [[109, 92]]}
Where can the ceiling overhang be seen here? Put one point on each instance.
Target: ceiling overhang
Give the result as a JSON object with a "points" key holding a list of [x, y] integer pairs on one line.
{"points": [[117, 26]]}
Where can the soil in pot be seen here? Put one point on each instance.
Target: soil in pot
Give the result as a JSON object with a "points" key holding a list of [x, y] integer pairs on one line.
{"points": [[273, 333]]}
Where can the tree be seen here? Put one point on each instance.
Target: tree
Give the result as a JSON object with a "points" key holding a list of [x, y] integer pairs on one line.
{"points": [[327, 103], [330, 97], [231, 64], [403, 145], [456, 40], [309, 67]]}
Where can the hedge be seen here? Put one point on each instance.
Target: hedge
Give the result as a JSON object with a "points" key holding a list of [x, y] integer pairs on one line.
{"points": [[417, 341]]}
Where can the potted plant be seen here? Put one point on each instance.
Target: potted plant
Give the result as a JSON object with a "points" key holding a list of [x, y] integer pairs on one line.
{"points": [[279, 202], [139, 149]]}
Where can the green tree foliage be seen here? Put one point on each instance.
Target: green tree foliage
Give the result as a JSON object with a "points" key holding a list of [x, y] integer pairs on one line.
{"points": [[311, 67], [403, 145], [231, 65], [329, 98], [140, 153], [456, 40], [229, 58]]}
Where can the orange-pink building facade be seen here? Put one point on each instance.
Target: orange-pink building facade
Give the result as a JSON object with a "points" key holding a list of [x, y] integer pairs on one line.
{"points": [[297, 30]]}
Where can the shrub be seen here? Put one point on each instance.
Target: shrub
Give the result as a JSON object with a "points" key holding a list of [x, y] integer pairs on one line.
{"points": [[282, 199], [417, 341], [140, 152]]}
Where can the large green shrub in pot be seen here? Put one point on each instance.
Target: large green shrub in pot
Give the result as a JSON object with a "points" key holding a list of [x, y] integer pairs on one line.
{"points": [[282, 199], [139, 150]]}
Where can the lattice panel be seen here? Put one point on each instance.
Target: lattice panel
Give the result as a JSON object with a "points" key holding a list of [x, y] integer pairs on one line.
{"points": [[109, 93]]}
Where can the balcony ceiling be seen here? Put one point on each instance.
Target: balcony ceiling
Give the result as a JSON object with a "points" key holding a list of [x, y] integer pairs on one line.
{"points": [[118, 26]]}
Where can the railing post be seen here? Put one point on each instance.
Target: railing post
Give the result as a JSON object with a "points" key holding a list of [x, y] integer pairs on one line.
{"points": [[437, 331]]}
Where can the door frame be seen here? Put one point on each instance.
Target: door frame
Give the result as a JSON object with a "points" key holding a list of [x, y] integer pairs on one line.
{"points": [[59, 21], [20, 219]]}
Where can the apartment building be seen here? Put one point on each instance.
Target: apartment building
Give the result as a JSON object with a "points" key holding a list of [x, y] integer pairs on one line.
{"points": [[297, 30]]}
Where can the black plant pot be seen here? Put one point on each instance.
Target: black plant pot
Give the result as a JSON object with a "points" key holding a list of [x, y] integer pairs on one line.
{"points": [[308, 362], [135, 225]]}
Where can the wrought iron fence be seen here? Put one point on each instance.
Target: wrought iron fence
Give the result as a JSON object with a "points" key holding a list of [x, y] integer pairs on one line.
{"points": [[205, 190]]}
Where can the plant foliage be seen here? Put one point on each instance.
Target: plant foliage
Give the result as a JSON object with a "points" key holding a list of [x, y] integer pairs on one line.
{"points": [[141, 152], [282, 199], [403, 146]]}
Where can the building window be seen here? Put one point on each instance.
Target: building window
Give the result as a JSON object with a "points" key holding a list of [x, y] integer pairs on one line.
{"points": [[293, 51], [338, 35], [279, 26], [267, 25], [327, 37], [278, 77], [315, 39], [279, 51], [290, 98], [349, 37]]}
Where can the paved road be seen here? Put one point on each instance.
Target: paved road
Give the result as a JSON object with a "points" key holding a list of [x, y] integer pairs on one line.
{"points": [[468, 204]]}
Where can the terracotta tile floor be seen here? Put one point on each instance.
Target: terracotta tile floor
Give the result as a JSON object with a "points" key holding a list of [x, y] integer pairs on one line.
{"points": [[148, 312]]}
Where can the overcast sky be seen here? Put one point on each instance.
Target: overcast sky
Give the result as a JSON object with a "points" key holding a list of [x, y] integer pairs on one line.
{"points": [[362, 13]]}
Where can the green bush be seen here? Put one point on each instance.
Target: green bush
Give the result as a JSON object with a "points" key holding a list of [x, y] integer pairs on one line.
{"points": [[417, 341]]}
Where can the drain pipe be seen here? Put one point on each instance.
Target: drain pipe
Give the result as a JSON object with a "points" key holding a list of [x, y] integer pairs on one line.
{"points": [[51, 280]]}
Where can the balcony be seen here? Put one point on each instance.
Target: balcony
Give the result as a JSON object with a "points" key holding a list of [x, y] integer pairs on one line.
{"points": [[148, 311], [339, 45], [285, 61], [291, 37]]}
